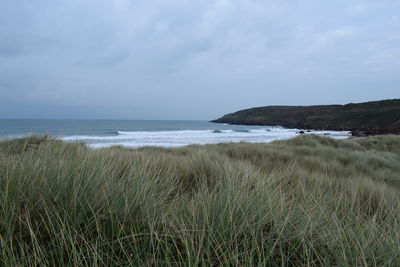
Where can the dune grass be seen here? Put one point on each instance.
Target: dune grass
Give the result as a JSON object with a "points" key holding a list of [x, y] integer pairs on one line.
{"points": [[307, 201]]}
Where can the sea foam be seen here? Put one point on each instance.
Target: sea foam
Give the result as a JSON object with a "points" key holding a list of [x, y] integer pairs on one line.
{"points": [[188, 137]]}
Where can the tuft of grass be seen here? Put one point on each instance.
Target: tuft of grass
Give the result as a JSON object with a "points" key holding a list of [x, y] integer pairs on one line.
{"points": [[17, 146], [307, 201]]}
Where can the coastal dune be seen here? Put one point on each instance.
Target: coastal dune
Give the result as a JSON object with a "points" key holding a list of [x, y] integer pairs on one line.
{"points": [[309, 200]]}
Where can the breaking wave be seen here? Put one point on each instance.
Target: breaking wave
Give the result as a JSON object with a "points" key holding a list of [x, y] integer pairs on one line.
{"points": [[187, 137]]}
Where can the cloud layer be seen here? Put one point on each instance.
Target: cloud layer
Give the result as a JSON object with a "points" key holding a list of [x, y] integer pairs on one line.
{"points": [[182, 59]]}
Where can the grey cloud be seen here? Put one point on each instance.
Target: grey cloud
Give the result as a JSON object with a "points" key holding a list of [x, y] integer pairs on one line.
{"points": [[184, 59]]}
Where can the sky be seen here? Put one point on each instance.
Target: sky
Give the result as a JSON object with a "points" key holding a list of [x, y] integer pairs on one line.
{"points": [[190, 59]]}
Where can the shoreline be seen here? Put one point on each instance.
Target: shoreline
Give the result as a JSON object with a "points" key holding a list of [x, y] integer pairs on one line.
{"points": [[361, 132], [206, 133]]}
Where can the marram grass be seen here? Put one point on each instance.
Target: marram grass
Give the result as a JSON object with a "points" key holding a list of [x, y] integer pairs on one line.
{"points": [[307, 201]]}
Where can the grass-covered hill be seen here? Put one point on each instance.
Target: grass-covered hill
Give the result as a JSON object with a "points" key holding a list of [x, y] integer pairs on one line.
{"points": [[307, 201], [378, 117]]}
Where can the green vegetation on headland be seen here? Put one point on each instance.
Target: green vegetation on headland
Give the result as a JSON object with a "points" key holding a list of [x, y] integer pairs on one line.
{"points": [[369, 118], [307, 201]]}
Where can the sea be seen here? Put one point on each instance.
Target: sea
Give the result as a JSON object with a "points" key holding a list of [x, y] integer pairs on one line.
{"points": [[139, 133]]}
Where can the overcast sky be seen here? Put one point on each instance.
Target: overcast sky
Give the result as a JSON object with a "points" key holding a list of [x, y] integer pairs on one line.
{"points": [[182, 59]]}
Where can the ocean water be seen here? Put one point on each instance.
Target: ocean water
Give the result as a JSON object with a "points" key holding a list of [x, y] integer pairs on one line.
{"points": [[138, 133]]}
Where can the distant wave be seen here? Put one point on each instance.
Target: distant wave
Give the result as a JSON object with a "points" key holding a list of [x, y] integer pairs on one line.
{"points": [[241, 131], [185, 137], [124, 133], [177, 132]]}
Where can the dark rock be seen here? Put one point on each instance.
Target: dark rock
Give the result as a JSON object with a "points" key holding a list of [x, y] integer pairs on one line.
{"points": [[357, 133]]}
